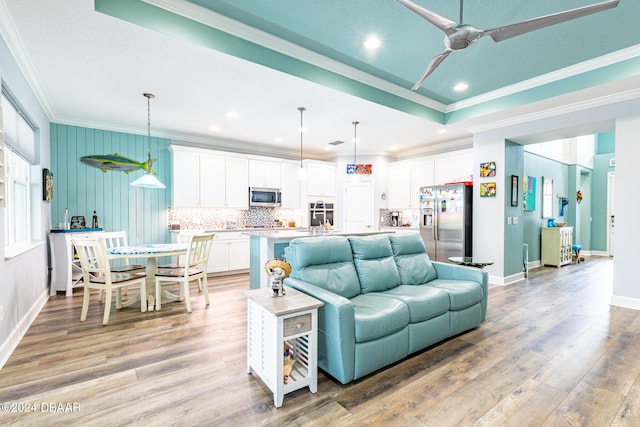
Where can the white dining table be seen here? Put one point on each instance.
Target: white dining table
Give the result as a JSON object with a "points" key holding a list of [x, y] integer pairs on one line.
{"points": [[151, 252]]}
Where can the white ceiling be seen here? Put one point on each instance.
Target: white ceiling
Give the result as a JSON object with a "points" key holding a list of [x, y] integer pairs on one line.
{"points": [[90, 69]]}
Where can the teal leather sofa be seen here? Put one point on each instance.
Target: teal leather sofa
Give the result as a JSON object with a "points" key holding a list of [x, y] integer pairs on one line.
{"points": [[383, 298]]}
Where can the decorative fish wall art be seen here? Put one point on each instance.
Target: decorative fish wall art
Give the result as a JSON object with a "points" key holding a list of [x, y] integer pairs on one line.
{"points": [[116, 162]]}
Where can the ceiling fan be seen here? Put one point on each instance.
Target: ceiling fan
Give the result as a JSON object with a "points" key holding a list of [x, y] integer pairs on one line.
{"points": [[461, 36]]}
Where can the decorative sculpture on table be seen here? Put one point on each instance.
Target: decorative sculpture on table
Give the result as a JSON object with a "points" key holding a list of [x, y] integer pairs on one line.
{"points": [[277, 269]]}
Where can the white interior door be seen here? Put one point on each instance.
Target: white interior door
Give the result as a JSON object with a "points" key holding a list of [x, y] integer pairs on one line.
{"points": [[358, 206], [611, 197]]}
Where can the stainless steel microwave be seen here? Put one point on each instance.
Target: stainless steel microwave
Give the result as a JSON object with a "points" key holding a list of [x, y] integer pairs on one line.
{"points": [[265, 197]]}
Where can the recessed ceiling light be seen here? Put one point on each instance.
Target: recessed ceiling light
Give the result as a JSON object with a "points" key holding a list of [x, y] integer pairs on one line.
{"points": [[393, 148], [232, 114], [462, 86], [372, 42], [441, 131], [278, 139], [328, 148], [215, 128]]}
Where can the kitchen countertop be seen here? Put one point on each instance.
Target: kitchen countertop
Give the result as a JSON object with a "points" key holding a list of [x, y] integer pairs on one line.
{"points": [[288, 234]]}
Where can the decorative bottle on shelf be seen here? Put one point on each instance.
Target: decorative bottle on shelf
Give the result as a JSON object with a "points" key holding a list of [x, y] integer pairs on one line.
{"points": [[94, 223], [66, 219]]}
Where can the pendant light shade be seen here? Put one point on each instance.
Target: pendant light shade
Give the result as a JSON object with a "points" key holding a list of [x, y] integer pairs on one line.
{"points": [[301, 172], [148, 180]]}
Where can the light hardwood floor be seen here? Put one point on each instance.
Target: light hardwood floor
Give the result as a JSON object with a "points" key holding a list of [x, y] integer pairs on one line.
{"points": [[552, 352]]}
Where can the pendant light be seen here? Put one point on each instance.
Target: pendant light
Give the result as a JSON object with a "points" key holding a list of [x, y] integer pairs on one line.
{"points": [[301, 172], [148, 180], [355, 141]]}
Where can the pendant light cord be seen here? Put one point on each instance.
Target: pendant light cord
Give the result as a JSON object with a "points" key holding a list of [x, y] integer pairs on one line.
{"points": [[301, 109], [149, 96], [355, 139]]}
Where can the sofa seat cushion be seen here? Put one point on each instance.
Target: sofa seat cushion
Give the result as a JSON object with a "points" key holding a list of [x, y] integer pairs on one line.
{"points": [[374, 262], [462, 293], [425, 302], [414, 265], [377, 316]]}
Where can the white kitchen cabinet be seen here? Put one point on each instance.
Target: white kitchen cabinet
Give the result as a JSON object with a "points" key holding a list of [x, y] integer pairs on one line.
{"points": [[556, 245], [399, 186], [237, 183], [229, 251], [290, 185], [455, 167], [264, 174], [186, 179], [321, 179], [422, 175], [202, 178]]}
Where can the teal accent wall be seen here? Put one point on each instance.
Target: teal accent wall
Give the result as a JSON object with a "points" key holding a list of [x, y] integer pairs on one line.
{"points": [[606, 143], [532, 221], [513, 235], [142, 212]]}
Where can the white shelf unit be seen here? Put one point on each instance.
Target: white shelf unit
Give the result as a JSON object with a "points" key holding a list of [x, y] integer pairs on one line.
{"points": [[274, 321], [556, 245]]}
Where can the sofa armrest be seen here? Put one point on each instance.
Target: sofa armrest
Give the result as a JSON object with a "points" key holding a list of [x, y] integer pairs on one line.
{"points": [[459, 272], [336, 330]]}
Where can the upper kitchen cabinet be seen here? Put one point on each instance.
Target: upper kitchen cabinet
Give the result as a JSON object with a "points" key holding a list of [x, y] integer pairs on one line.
{"points": [[202, 178], [290, 185], [454, 167], [404, 182], [399, 186], [321, 179], [264, 174]]}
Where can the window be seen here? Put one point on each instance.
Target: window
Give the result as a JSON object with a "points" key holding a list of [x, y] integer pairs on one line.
{"points": [[19, 146]]}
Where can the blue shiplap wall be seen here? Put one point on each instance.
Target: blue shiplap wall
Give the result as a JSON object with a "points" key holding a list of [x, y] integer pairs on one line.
{"points": [[82, 188]]}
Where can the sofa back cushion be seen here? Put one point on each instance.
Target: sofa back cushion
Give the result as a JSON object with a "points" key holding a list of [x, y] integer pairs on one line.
{"points": [[414, 265], [326, 262], [373, 258]]}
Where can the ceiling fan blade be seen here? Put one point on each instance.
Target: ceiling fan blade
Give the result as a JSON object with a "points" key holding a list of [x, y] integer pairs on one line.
{"points": [[502, 33], [440, 22], [435, 61]]}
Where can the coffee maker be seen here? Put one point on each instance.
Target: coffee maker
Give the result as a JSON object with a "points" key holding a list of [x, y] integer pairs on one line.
{"points": [[395, 219]]}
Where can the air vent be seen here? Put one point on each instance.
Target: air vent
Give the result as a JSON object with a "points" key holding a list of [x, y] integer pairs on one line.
{"points": [[336, 143]]}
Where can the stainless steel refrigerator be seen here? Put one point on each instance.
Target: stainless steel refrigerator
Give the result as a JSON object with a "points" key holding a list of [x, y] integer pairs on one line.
{"points": [[446, 220]]}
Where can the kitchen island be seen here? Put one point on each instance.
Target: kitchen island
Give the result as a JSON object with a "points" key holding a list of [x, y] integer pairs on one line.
{"points": [[268, 244]]}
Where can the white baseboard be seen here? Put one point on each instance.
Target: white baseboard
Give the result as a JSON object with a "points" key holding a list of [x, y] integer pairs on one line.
{"points": [[10, 344], [625, 302]]}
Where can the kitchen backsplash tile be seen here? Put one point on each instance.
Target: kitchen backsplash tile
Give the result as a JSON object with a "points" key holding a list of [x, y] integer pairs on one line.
{"points": [[218, 219]]}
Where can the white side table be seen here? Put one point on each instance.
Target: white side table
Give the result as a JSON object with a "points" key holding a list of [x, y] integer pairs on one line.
{"points": [[271, 322]]}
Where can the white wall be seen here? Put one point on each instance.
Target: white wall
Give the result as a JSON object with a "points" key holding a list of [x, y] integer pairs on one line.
{"points": [[626, 292], [488, 212], [24, 279]]}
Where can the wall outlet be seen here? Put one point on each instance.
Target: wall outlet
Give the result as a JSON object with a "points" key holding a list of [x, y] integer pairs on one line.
{"points": [[515, 219], [509, 221]]}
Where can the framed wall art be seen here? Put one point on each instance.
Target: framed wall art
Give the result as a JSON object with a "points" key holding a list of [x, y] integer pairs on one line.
{"points": [[487, 169], [514, 190], [487, 189], [47, 185], [529, 193]]}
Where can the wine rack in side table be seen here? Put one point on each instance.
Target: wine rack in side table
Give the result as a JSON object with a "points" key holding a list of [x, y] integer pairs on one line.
{"points": [[274, 323]]}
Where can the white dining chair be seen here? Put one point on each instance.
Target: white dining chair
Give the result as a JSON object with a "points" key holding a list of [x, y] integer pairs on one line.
{"points": [[115, 239], [195, 268], [97, 274], [183, 237]]}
